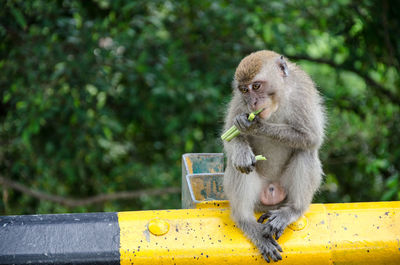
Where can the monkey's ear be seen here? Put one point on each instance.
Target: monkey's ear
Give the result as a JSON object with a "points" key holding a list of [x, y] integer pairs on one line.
{"points": [[283, 66]]}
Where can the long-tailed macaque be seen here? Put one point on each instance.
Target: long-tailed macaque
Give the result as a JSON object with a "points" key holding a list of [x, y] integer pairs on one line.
{"points": [[288, 132]]}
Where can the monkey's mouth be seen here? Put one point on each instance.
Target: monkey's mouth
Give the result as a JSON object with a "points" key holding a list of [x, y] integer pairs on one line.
{"points": [[268, 111], [264, 114], [263, 110]]}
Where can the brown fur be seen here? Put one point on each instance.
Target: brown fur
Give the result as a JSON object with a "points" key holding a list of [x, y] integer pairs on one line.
{"points": [[251, 65]]}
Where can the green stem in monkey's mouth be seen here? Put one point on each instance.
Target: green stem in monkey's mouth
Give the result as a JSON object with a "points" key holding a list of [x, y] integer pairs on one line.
{"points": [[254, 114]]}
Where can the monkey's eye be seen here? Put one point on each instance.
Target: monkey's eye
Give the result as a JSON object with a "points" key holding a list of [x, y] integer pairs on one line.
{"points": [[243, 89], [256, 86]]}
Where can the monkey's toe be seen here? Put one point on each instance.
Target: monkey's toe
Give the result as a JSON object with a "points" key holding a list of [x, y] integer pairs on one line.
{"points": [[264, 217], [270, 249], [274, 227], [279, 233]]}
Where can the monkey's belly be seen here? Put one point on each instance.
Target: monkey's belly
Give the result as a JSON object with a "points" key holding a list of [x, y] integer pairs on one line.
{"points": [[277, 158], [272, 194]]}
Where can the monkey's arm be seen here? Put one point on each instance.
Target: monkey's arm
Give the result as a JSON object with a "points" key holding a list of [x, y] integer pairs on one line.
{"points": [[295, 136], [301, 134], [241, 155]]}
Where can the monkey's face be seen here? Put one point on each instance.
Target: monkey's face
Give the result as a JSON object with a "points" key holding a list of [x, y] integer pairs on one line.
{"points": [[260, 79], [260, 94]]}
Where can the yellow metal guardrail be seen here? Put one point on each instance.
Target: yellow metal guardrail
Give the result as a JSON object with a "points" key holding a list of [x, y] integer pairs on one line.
{"points": [[348, 233], [351, 233]]}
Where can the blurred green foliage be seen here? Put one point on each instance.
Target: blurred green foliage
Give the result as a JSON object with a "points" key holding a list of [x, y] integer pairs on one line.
{"points": [[104, 96]]}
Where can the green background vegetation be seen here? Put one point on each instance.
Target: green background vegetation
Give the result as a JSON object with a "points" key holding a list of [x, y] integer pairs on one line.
{"points": [[100, 97]]}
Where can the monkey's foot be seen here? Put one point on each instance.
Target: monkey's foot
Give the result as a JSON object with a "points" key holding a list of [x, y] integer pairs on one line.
{"points": [[269, 248], [276, 224]]}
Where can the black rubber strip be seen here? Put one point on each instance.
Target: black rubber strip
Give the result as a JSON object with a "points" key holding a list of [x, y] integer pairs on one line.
{"points": [[87, 238]]}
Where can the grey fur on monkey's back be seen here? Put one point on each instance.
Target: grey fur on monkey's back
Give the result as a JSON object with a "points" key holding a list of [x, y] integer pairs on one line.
{"points": [[289, 138]]}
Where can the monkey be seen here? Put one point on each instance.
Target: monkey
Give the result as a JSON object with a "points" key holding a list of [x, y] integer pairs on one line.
{"points": [[288, 132]]}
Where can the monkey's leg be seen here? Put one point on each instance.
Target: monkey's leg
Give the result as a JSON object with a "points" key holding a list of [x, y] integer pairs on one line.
{"points": [[301, 178], [243, 192]]}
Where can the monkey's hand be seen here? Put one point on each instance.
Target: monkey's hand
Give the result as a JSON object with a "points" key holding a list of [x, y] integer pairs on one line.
{"points": [[244, 160], [243, 124]]}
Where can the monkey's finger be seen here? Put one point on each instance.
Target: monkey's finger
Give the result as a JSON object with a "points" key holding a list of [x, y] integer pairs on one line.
{"points": [[253, 160], [246, 169], [239, 168], [242, 170], [242, 123], [257, 119], [238, 122]]}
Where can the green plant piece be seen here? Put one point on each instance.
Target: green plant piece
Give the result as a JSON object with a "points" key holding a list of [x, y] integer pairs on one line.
{"points": [[228, 132], [233, 135], [260, 158]]}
